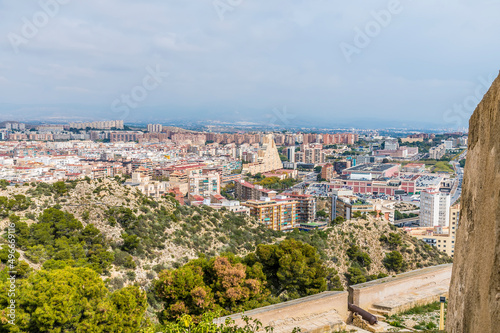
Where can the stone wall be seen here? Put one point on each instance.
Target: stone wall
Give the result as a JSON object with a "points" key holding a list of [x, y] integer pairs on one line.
{"points": [[327, 311], [324, 312], [395, 294], [475, 287]]}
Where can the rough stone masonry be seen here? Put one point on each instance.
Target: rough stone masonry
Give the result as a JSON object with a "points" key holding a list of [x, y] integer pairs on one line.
{"points": [[475, 286]]}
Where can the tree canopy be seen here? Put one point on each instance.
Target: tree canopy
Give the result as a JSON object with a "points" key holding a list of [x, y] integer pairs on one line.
{"points": [[229, 284], [71, 300], [59, 236]]}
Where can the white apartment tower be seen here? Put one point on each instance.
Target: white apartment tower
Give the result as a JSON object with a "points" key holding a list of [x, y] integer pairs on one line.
{"points": [[434, 209], [290, 154], [155, 128]]}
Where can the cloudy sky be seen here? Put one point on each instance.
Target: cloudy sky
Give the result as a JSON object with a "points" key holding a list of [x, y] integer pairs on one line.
{"points": [[313, 62]]}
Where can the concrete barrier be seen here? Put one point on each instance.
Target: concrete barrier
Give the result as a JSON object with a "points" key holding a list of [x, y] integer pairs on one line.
{"points": [[324, 312], [327, 311], [399, 293]]}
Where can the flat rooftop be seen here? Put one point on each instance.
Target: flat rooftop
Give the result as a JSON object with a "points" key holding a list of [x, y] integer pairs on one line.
{"points": [[371, 167]]}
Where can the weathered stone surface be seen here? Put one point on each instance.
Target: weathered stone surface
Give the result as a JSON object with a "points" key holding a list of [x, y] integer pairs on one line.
{"points": [[392, 295], [475, 287], [320, 313]]}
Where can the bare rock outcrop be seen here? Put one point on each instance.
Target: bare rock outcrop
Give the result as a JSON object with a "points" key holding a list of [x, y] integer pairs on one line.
{"points": [[475, 287]]}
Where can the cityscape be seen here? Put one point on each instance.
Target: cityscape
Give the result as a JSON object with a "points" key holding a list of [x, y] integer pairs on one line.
{"points": [[229, 166], [287, 182]]}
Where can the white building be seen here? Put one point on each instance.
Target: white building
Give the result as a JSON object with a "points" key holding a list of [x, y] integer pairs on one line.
{"points": [[15, 126], [290, 154], [104, 125], [391, 145], [155, 128], [204, 184], [148, 187], [437, 152], [434, 208], [449, 144]]}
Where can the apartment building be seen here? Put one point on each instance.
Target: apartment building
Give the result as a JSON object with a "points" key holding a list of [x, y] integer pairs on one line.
{"points": [[104, 125], [306, 207], [344, 204], [279, 214], [15, 126], [290, 154], [126, 136], [155, 128], [434, 208], [437, 152], [204, 185], [441, 237], [328, 172], [312, 154], [148, 187], [248, 191]]}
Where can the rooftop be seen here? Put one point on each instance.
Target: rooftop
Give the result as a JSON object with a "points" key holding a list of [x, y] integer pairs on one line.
{"points": [[371, 167]]}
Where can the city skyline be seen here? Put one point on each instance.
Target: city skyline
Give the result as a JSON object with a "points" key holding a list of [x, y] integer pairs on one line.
{"points": [[267, 63]]}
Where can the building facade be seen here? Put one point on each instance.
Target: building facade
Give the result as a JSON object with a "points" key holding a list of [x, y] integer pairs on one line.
{"points": [[434, 208], [443, 238], [306, 207], [268, 158], [279, 215], [204, 184]]}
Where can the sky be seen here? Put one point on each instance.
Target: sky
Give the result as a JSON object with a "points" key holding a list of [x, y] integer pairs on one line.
{"points": [[397, 63]]}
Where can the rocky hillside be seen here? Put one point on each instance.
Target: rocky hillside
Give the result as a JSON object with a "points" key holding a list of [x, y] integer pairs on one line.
{"points": [[148, 235]]}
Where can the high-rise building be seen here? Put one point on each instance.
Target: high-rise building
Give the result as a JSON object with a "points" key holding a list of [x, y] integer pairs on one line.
{"points": [[437, 152], [313, 154], [268, 158], [104, 125], [290, 154], [434, 208], [306, 207], [15, 126], [449, 144], [279, 214], [155, 128], [327, 172]]}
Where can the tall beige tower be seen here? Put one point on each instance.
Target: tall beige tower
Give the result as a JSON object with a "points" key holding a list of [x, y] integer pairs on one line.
{"points": [[268, 158]]}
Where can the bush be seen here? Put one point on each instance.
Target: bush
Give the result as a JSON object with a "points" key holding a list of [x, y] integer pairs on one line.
{"points": [[393, 261], [354, 275], [131, 275], [393, 241], [355, 254], [124, 259]]}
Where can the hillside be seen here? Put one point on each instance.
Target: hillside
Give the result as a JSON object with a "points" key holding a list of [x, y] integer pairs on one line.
{"points": [[147, 235], [164, 235]]}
